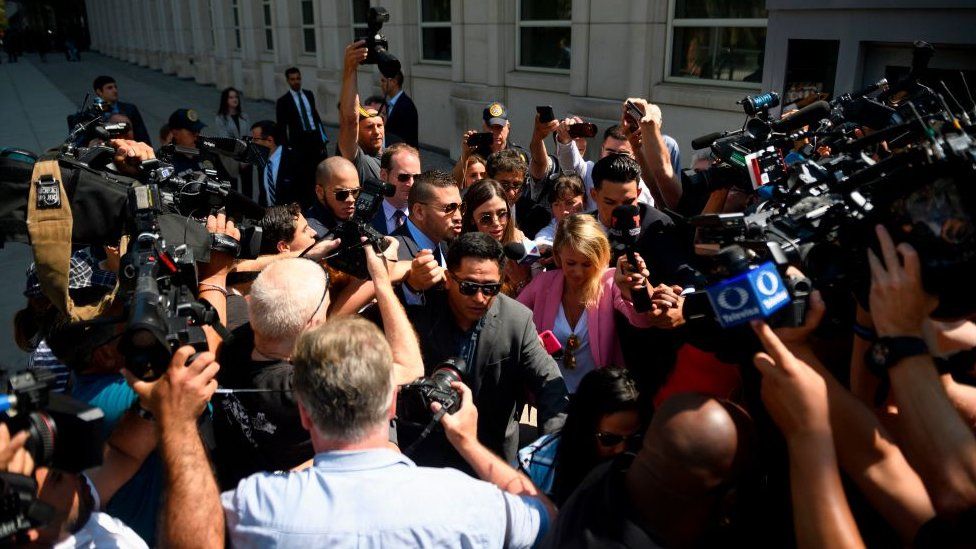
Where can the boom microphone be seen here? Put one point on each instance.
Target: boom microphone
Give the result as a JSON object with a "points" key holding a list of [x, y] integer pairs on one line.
{"points": [[226, 146], [706, 141], [811, 114]]}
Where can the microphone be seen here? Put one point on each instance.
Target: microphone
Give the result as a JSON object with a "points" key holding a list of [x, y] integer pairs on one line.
{"points": [[516, 251], [812, 113], [624, 231], [226, 146], [705, 141], [752, 295]]}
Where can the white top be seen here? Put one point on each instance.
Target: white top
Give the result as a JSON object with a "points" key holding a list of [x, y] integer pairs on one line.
{"points": [[570, 159], [103, 530], [584, 358]]}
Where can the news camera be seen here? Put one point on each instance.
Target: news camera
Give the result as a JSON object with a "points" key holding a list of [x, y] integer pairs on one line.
{"points": [[414, 399], [827, 177], [377, 45]]}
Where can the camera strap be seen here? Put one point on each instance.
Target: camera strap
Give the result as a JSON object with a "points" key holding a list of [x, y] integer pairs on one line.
{"points": [[49, 224], [423, 435]]}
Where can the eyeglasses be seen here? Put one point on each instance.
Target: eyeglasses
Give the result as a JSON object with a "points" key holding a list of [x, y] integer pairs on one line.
{"points": [[342, 194], [325, 292], [446, 209], [609, 440], [512, 185], [404, 177], [469, 288], [487, 218], [569, 356]]}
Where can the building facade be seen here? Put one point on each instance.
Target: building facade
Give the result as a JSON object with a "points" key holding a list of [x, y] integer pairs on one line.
{"points": [[694, 58]]}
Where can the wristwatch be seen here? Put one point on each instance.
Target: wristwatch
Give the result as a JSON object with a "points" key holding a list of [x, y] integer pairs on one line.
{"points": [[886, 352]]}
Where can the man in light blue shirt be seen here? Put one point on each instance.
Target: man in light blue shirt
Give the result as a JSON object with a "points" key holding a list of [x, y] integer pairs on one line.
{"points": [[359, 492]]}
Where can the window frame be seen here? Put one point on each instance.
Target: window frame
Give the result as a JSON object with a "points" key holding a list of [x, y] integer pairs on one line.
{"points": [[352, 19], [308, 26], [268, 24], [520, 24], [235, 18], [421, 25], [712, 23]]}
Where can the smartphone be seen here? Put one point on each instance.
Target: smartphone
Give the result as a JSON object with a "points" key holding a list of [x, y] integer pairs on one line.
{"points": [[480, 139], [634, 115], [551, 344], [545, 114], [584, 129]]}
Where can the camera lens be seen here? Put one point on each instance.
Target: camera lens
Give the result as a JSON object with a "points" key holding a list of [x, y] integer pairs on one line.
{"points": [[40, 443]]}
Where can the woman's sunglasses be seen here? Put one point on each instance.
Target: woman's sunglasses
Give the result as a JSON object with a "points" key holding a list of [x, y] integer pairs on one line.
{"points": [[487, 218]]}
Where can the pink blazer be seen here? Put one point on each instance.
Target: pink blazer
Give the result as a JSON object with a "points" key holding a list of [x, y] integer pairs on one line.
{"points": [[544, 294]]}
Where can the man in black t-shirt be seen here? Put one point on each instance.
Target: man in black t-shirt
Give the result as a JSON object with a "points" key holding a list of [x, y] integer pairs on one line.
{"points": [[671, 493]]}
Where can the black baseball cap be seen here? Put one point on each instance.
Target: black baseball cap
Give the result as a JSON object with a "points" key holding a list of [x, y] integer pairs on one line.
{"points": [[186, 119], [495, 113]]}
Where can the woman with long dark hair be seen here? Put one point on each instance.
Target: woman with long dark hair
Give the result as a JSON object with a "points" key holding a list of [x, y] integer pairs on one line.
{"points": [[602, 421], [231, 121], [487, 211]]}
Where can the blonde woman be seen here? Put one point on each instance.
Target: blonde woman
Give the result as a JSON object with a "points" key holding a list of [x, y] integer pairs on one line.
{"points": [[577, 301]]}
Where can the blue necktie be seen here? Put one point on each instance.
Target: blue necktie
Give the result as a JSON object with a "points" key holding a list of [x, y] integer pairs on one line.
{"points": [[271, 185]]}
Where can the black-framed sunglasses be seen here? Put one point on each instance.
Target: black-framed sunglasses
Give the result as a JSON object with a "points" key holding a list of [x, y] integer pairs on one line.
{"points": [[487, 217], [404, 177], [609, 440], [511, 186], [342, 194], [446, 209], [469, 288], [325, 292]]}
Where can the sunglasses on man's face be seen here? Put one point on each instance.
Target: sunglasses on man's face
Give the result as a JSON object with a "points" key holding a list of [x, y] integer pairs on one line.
{"points": [[404, 177], [469, 288], [609, 440], [446, 209], [512, 186], [342, 194], [488, 218]]}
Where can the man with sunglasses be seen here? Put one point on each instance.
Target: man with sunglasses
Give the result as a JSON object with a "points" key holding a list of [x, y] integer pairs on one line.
{"points": [[496, 337], [399, 166], [336, 189]]}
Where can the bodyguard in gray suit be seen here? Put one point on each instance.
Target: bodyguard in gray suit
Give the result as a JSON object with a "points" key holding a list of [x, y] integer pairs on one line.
{"points": [[506, 365]]}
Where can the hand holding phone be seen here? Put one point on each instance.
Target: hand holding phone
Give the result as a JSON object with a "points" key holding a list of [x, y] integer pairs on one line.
{"points": [[545, 114], [583, 129], [633, 115]]}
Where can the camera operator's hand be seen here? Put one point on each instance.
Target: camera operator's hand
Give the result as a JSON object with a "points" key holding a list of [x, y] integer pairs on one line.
{"points": [[461, 427], [797, 337], [667, 307], [628, 276], [14, 458], [542, 130], [321, 249], [220, 262], [562, 130], [130, 154], [182, 393], [467, 150], [899, 304], [425, 272], [376, 264], [355, 55], [794, 394]]}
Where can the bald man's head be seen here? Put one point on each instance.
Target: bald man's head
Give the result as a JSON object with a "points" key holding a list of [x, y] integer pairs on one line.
{"points": [[337, 186]]}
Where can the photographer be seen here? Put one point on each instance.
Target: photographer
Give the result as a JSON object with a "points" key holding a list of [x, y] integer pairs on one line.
{"points": [[361, 132], [495, 122], [661, 159]]}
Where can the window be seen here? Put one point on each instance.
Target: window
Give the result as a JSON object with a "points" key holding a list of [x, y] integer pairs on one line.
{"points": [[544, 36], [268, 28], [718, 42], [359, 10], [308, 26], [213, 24], [435, 31], [236, 17]]}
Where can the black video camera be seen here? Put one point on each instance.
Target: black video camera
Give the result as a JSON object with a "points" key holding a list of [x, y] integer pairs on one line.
{"points": [[65, 434], [414, 399], [350, 258], [376, 43]]}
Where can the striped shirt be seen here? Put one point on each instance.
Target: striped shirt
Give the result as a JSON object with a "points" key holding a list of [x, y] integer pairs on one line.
{"points": [[43, 359]]}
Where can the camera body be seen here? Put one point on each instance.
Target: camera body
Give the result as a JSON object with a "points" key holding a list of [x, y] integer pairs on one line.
{"points": [[414, 399], [377, 44], [350, 258]]}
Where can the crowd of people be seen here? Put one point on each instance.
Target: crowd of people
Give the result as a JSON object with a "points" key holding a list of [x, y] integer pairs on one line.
{"points": [[582, 420]]}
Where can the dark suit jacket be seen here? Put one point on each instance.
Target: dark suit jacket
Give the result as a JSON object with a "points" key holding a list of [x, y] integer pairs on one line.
{"points": [[289, 187], [530, 215], [379, 221], [289, 118], [138, 126], [403, 123], [510, 365]]}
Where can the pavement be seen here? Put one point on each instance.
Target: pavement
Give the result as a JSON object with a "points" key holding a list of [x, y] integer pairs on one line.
{"points": [[37, 97]]}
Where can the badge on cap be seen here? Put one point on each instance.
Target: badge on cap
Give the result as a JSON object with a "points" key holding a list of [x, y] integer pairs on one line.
{"points": [[192, 115], [495, 110]]}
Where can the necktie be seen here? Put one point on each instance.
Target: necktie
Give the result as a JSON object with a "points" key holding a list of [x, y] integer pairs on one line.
{"points": [[301, 106], [399, 218], [271, 185], [437, 255]]}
